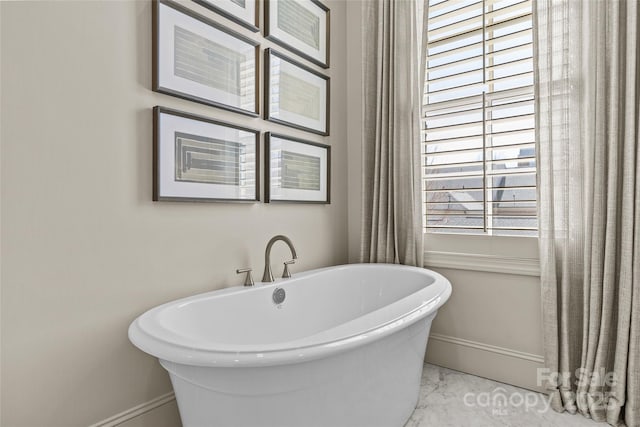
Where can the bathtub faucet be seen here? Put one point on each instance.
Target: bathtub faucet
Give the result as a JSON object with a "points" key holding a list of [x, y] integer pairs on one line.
{"points": [[268, 275]]}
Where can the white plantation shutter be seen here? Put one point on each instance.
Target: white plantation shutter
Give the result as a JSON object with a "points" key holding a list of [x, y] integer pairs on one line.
{"points": [[479, 133]]}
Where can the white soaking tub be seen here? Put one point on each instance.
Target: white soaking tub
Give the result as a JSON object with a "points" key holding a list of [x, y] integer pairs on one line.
{"points": [[344, 349]]}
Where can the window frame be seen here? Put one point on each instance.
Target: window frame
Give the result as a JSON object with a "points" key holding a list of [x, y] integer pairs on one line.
{"points": [[507, 254]]}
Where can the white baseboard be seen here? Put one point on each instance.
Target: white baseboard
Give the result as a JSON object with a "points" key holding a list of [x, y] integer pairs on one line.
{"points": [[136, 411], [487, 347], [489, 361]]}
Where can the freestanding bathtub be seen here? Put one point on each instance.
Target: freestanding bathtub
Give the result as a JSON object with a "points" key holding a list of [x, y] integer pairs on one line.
{"points": [[344, 349]]}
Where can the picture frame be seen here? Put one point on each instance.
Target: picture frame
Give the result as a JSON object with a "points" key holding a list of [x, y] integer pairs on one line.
{"points": [[300, 26], [198, 59], [242, 12], [199, 159], [296, 170], [295, 95]]}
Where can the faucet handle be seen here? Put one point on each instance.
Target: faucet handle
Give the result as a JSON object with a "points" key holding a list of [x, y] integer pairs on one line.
{"points": [[248, 280], [286, 273]]}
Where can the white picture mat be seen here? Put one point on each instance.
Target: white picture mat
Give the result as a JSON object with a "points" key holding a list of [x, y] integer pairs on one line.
{"points": [[169, 18], [274, 30], [278, 65], [169, 187], [247, 14], [276, 145]]}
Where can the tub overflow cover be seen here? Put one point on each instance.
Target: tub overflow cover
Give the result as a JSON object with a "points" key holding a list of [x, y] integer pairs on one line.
{"points": [[279, 295]]}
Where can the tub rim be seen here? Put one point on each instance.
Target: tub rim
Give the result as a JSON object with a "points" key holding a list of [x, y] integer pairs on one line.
{"points": [[287, 352]]}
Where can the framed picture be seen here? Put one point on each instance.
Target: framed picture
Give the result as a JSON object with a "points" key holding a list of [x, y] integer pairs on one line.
{"points": [[295, 95], [296, 170], [199, 159], [196, 59], [243, 12], [301, 26]]}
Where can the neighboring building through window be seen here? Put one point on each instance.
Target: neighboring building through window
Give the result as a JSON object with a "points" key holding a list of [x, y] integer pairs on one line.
{"points": [[479, 159]]}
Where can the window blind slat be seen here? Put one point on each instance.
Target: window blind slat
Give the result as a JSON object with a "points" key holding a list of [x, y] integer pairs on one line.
{"points": [[517, 108], [461, 10], [490, 57], [496, 96], [434, 42], [519, 7], [507, 133], [447, 190], [449, 30]]}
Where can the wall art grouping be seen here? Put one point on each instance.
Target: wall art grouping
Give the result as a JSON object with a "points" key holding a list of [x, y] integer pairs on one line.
{"points": [[200, 59]]}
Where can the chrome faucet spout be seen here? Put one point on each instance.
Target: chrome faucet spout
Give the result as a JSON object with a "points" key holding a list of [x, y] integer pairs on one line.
{"points": [[268, 275]]}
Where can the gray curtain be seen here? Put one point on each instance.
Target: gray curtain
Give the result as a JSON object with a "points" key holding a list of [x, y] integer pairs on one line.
{"points": [[588, 110], [393, 65]]}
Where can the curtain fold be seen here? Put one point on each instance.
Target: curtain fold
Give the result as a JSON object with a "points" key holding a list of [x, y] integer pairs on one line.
{"points": [[588, 112], [393, 85]]}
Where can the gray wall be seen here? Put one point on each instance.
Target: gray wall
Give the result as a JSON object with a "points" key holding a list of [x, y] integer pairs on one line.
{"points": [[84, 249]]}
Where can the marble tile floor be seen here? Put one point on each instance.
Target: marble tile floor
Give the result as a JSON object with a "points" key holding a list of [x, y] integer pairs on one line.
{"points": [[454, 399]]}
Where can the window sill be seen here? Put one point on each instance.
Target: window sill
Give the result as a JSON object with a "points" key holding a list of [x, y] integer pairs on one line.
{"points": [[482, 262], [495, 254]]}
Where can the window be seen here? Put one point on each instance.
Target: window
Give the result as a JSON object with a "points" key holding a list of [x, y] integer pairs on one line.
{"points": [[479, 164]]}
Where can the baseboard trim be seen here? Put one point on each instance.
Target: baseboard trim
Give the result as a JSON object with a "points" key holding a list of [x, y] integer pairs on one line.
{"points": [[485, 360], [136, 411], [488, 347], [478, 262]]}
